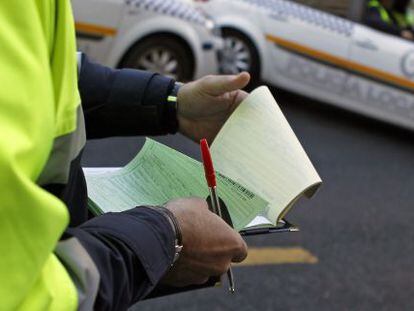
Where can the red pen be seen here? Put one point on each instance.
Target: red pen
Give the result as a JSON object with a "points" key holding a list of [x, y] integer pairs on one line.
{"points": [[212, 185]]}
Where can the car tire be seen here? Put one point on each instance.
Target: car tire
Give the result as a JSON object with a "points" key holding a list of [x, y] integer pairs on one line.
{"points": [[239, 54], [167, 55]]}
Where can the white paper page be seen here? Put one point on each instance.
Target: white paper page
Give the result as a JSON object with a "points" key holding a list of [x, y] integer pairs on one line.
{"points": [[257, 148], [259, 221], [99, 170]]}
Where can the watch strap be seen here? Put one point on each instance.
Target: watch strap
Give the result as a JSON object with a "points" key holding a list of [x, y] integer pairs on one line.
{"points": [[171, 108], [178, 243]]}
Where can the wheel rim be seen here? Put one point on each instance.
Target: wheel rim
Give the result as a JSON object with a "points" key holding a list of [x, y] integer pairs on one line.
{"points": [[160, 60], [236, 56]]}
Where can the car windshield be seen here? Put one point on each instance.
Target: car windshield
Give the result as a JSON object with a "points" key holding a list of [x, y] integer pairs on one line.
{"points": [[394, 17]]}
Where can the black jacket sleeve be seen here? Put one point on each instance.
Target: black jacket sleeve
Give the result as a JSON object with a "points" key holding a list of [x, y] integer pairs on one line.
{"points": [[131, 250], [124, 102], [373, 19]]}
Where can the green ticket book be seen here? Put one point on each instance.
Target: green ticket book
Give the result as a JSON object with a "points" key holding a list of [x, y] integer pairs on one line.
{"points": [[261, 166], [158, 174]]}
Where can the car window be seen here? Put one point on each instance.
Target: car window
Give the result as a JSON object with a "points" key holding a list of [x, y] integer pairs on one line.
{"points": [[396, 21], [337, 7], [306, 14]]}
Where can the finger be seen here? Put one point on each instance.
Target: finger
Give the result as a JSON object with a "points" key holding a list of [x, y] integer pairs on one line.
{"points": [[187, 277], [240, 252], [213, 264], [218, 85], [240, 96], [192, 280]]}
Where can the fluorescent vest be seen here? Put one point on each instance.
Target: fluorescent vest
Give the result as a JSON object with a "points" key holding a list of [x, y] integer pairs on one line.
{"points": [[403, 20], [383, 12], [38, 104]]}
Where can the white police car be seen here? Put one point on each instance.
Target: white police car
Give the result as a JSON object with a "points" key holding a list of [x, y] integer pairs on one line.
{"points": [[166, 36], [319, 55]]}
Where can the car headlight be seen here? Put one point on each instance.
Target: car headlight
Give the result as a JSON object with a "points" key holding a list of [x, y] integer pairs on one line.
{"points": [[210, 25]]}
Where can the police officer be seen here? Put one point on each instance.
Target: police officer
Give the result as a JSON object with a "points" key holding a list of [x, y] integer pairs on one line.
{"points": [[391, 17], [51, 256], [403, 16]]}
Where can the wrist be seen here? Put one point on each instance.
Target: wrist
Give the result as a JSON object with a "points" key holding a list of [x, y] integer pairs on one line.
{"points": [[175, 226], [171, 108]]}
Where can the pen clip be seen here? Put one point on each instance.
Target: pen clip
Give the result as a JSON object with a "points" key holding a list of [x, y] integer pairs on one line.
{"points": [[224, 210]]}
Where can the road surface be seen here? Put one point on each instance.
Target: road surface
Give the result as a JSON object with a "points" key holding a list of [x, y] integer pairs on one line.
{"points": [[357, 235]]}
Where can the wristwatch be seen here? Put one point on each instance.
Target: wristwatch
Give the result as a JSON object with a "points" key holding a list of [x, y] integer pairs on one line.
{"points": [[172, 107], [178, 242]]}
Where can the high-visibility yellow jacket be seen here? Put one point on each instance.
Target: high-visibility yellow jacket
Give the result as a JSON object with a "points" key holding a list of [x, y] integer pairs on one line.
{"points": [[41, 137], [392, 18], [38, 102]]}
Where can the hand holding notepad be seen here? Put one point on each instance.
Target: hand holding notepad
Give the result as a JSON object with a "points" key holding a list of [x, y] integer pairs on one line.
{"points": [[262, 169], [258, 149]]}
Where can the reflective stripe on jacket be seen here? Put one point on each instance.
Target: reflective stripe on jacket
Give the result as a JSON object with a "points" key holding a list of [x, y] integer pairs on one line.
{"points": [[382, 11]]}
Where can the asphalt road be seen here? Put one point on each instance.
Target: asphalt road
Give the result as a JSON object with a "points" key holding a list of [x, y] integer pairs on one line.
{"points": [[359, 225]]}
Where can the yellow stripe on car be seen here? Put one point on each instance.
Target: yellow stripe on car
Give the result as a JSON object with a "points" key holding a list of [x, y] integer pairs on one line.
{"points": [[95, 29], [343, 63]]}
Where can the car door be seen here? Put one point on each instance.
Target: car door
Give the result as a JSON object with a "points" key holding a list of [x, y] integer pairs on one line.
{"points": [[309, 49], [385, 54], [385, 64], [96, 24]]}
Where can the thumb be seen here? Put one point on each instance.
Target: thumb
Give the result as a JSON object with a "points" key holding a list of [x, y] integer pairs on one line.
{"points": [[218, 85], [241, 252]]}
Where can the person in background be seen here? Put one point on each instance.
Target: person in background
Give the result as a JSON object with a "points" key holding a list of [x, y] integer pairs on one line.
{"points": [[404, 16], [52, 257], [390, 16]]}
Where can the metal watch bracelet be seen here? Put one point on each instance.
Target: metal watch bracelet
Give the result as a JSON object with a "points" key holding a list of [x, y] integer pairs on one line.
{"points": [[178, 246]]}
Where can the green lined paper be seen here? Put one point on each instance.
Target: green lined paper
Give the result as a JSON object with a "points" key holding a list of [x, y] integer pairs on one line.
{"points": [[158, 174]]}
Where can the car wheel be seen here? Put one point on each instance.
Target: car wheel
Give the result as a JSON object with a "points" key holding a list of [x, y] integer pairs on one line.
{"points": [[239, 54], [166, 55]]}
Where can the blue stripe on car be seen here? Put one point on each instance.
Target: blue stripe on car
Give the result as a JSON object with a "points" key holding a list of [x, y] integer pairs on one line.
{"points": [[304, 13], [170, 7]]}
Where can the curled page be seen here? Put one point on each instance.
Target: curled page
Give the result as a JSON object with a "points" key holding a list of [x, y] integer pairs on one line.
{"points": [[258, 149]]}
